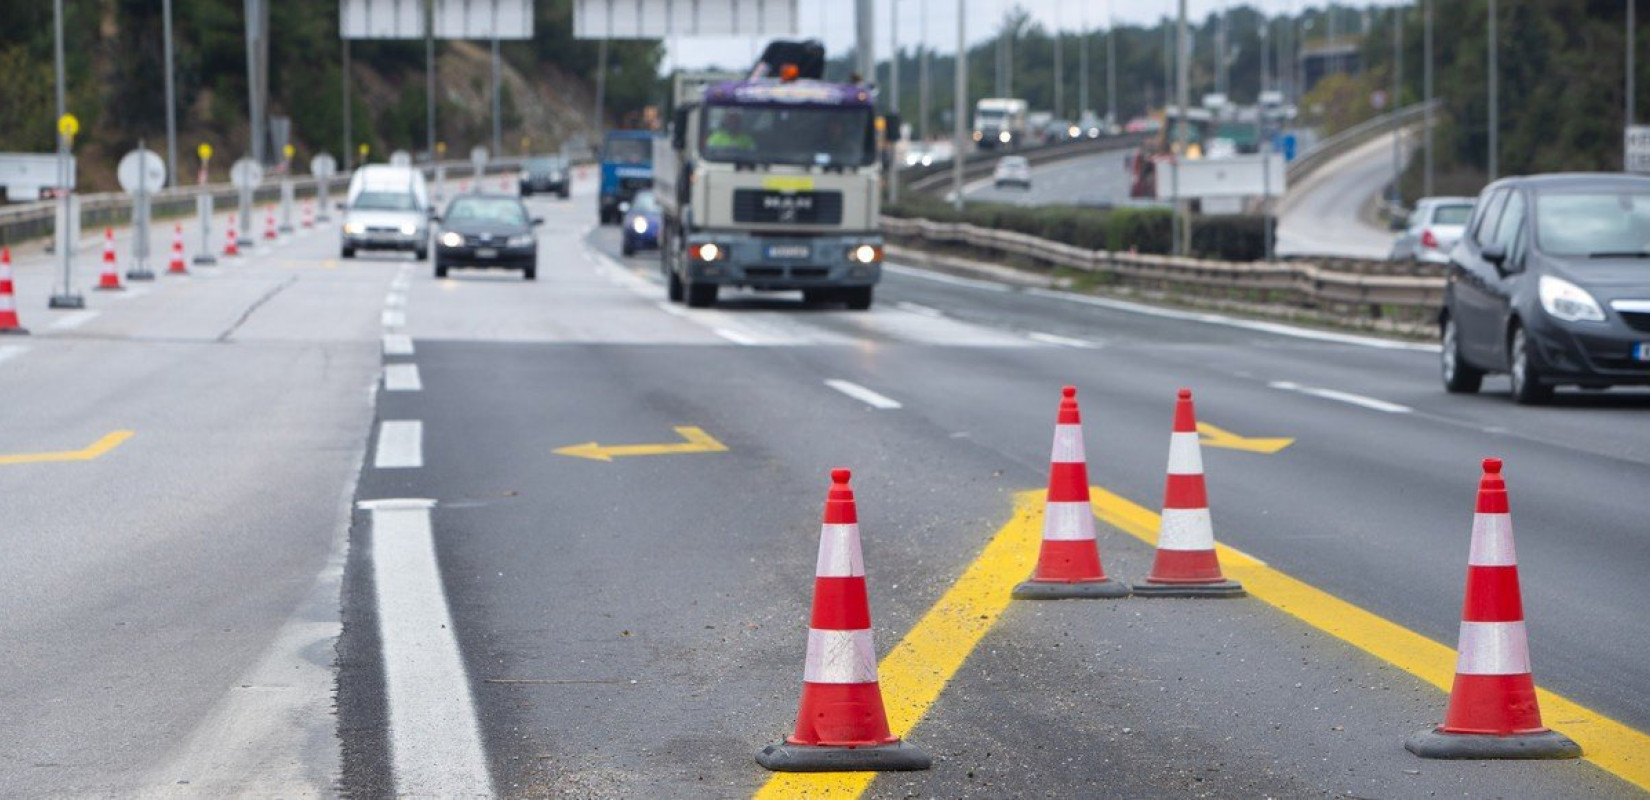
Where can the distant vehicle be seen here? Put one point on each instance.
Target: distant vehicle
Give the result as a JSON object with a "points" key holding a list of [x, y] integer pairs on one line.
{"points": [[1092, 126], [546, 174], [1432, 229], [487, 231], [387, 208], [1000, 122], [918, 155], [641, 224], [627, 168], [1012, 171], [1550, 283]]}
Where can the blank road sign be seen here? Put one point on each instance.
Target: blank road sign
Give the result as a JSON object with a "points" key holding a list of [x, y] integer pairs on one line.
{"points": [[661, 19], [1637, 146], [454, 19]]}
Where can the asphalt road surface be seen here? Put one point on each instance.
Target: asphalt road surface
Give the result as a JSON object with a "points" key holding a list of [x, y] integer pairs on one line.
{"points": [[1099, 179], [1324, 214], [340, 553]]}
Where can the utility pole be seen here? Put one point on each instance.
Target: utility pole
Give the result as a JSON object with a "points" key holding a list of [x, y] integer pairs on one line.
{"points": [[959, 101], [171, 97], [601, 91], [1426, 89], [1182, 228], [1495, 99], [893, 97], [1397, 86], [1111, 72], [922, 75], [1631, 115], [498, 103], [349, 111], [866, 45], [1059, 77], [257, 54], [429, 78]]}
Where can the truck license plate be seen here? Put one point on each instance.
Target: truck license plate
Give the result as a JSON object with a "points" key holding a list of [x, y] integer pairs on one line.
{"points": [[1641, 351], [788, 251], [486, 252]]}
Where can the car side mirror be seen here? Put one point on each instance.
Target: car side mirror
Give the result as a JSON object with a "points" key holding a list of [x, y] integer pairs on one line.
{"points": [[537, 221], [1495, 254], [434, 217]]}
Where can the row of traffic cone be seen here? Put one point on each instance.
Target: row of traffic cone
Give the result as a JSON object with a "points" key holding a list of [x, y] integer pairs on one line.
{"points": [[109, 280], [841, 723]]}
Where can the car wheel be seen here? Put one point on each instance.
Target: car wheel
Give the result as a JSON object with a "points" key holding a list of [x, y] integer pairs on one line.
{"points": [[627, 247], [440, 270], [530, 274], [1527, 388], [675, 291], [526, 192], [422, 254], [1459, 376], [701, 295], [562, 194], [347, 252], [858, 298]]}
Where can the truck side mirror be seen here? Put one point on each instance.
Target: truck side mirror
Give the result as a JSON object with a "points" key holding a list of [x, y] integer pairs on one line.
{"points": [[678, 129], [891, 127]]}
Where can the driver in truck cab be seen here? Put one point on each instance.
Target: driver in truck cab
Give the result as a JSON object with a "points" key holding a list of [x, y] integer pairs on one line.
{"points": [[730, 134]]}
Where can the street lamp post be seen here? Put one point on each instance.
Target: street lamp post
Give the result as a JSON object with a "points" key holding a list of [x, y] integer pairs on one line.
{"points": [[1426, 82], [1495, 98], [959, 101]]}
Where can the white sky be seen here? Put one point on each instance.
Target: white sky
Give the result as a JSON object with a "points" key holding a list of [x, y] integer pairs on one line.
{"points": [[832, 21]]}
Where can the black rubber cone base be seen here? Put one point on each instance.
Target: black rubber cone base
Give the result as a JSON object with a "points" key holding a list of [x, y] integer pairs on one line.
{"points": [[140, 275], [14, 331], [1434, 743], [1222, 589], [896, 757], [66, 301], [1058, 590]]}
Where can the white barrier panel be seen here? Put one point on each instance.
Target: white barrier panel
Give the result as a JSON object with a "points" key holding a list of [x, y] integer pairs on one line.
{"points": [[662, 19]]}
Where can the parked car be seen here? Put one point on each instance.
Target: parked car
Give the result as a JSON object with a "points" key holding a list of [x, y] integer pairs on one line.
{"points": [[387, 208], [641, 224], [544, 174], [1432, 229], [487, 231], [1550, 283], [1012, 171]]}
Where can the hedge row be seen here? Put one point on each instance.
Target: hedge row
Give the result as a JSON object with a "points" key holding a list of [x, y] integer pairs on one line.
{"points": [[1143, 230]]}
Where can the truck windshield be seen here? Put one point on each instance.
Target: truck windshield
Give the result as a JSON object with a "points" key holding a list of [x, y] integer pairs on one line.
{"points": [[804, 136], [628, 151]]}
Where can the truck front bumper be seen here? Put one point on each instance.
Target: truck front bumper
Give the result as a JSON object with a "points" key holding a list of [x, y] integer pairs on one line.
{"points": [[784, 262]]}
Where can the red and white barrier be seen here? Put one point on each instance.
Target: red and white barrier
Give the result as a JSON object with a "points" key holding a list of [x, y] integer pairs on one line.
{"points": [[1068, 563], [110, 279], [176, 266], [232, 246], [9, 323], [1186, 564]]}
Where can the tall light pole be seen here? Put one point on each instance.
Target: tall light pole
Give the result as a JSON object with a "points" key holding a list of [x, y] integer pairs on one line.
{"points": [[1631, 116], [1182, 227], [429, 78], [498, 102], [922, 74], [1426, 89], [1495, 100], [893, 94], [1111, 70], [1083, 68], [1397, 86], [959, 101], [1059, 77], [349, 112], [171, 97]]}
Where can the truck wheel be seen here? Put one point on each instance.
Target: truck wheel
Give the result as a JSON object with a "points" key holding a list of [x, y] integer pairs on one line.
{"points": [[858, 298], [701, 295], [675, 290]]}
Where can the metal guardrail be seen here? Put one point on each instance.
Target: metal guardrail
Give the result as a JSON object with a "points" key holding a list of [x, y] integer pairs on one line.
{"points": [[937, 177], [1374, 295], [1329, 149]]}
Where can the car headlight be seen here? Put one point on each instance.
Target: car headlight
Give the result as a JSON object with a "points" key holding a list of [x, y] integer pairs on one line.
{"points": [[1074, 132], [354, 228], [639, 225], [1004, 137], [524, 240], [1569, 302], [408, 229], [865, 254], [451, 239]]}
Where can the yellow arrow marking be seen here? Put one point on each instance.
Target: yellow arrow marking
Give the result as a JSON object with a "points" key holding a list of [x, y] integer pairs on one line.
{"points": [[697, 441], [96, 449], [1212, 436]]}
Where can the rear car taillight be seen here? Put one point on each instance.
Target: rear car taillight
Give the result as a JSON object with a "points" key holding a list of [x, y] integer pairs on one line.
{"points": [[1428, 240]]}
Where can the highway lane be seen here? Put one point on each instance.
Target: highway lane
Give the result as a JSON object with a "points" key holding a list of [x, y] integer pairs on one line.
{"points": [[1324, 214], [1099, 180], [633, 627]]}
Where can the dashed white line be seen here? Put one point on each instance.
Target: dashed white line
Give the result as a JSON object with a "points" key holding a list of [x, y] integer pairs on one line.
{"points": [[863, 394], [919, 309], [398, 344], [736, 337], [1343, 397], [1061, 341], [395, 300], [74, 320], [672, 309], [11, 351], [394, 319], [402, 378], [400, 444], [435, 740]]}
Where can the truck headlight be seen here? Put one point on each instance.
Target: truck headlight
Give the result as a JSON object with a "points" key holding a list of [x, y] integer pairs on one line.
{"points": [[865, 254], [1004, 137], [408, 229], [639, 225], [451, 239], [1569, 302], [707, 252]]}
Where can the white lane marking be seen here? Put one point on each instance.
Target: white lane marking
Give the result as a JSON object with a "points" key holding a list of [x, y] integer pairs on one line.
{"points": [[1061, 341], [74, 320], [672, 309], [919, 309], [395, 300], [402, 378], [736, 337], [11, 351], [395, 319], [940, 277], [862, 394], [400, 444], [137, 291], [435, 741], [398, 344], [1344, 397]]}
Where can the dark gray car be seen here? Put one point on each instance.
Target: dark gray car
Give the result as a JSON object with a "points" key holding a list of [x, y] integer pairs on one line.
{"points": [[1550, 283], [487, 232]]}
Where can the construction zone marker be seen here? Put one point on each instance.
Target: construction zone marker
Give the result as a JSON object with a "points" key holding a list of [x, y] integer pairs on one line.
{"points": [[109, 281], [9, 323], [177, 266], [1068, 563], [1186, 564]]}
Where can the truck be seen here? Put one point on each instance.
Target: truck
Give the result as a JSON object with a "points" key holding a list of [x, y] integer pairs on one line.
{"points": [[1001, 122], [626, 168], [772, 182]]}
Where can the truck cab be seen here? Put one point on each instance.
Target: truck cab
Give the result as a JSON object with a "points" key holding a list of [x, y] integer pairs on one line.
{"points": [[1001, 123], [626, 168]]}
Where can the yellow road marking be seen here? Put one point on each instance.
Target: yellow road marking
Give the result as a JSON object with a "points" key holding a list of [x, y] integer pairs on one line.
{"points": [[695, 441], [96, 449], [1608, 744], [1211, 436], [915, 672]]}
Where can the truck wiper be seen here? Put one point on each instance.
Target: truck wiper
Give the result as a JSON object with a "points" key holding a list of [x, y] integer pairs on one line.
{"points": [[1620, 254]]}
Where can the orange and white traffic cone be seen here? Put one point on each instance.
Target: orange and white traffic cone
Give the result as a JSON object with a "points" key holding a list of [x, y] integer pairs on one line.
{"points": [[1492, 706], [841, 725], [232, 245], [9, 323], [270, 232], [110, 279], [309, 214], [1186, 564], [177, 266], [464, 186], [1068, 565]]}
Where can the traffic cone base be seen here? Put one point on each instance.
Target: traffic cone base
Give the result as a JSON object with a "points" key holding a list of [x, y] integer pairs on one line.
{"points": [[1221, 589], [1437, 743], [1103, 589], [895, 757]]}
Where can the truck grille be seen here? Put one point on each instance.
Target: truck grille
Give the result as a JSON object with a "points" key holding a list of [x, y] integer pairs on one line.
{"points": [[809, 208]]}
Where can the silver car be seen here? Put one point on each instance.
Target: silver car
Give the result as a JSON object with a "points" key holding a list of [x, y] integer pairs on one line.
{"points": [[1432, 229], [387, 208]]}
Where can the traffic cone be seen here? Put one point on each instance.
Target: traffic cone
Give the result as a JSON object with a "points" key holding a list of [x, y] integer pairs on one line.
{"points": [[177, 266], [1069, 563], [840, 724], [110, 280], [9, 323], [464, 187], [1186, 564], [269, 223], [232, 247], [1492, 707], [309, 214]]}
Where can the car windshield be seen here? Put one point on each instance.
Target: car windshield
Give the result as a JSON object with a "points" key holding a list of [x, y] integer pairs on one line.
{"points": [[487, 209], [645, 203], [1600, 224], [628, 151], [1013, 161], [385, 201], [1456, 214], [543, 165], [804, 136]]}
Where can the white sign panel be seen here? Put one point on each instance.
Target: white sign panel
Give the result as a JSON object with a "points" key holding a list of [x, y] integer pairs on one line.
{"points": [[381, 19], [1638, 149], [1238, 176], [662, 19], [141, 170], [26, 177], [454, 19]]}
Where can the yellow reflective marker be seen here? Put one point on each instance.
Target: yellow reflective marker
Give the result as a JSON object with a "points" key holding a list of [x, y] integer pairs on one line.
{"points": [[95, 450], [1211, 436], [204, 151], [788, 183], [1608, 744], [68, 125], [695, 440], [916, 671]]}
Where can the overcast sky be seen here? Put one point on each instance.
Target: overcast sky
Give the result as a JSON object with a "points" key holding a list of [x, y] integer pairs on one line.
{"points": [[833, 22]]}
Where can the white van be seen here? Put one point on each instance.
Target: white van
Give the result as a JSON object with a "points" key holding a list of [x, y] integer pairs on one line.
{"points": [[387, 208]]}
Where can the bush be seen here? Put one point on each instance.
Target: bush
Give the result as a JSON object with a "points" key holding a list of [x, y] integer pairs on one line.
{"points": [[1231, 237], [1143, 230]]}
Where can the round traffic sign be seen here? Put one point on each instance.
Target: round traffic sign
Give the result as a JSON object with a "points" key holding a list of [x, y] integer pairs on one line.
{"points": [[246, 174], [141, 170], [204, 151], [323, 166], [478, 157], [68, 125]]}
